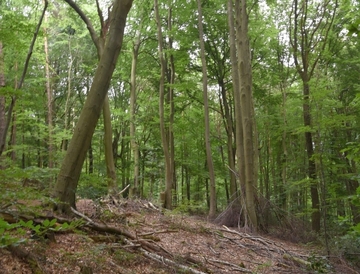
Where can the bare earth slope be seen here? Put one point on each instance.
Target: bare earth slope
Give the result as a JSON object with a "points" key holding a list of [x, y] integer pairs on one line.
{"points": [[159, 242]]}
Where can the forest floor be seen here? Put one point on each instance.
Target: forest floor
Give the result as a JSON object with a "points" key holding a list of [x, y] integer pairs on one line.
{"points": [[134, 236]]}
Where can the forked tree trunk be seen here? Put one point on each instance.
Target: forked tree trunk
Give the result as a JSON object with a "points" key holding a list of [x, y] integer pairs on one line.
{"points": [[310, 24], [245, 75], [242, 83], [210, 165], [238, 116], [99, 42], [70, 170]]}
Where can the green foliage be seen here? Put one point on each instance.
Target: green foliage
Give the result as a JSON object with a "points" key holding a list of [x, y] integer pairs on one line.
{"points": [[11, 234], [354, 27], [92, 186], [14, 234], [319, 264], [191, 207], [126, 258], [47, 226], [349, 244]]}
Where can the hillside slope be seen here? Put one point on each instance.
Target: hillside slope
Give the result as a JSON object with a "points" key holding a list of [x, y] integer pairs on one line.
{"points": [[124, 236]]}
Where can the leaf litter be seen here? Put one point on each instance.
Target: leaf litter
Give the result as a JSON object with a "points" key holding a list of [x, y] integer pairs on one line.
{"points": [[134, 236]]}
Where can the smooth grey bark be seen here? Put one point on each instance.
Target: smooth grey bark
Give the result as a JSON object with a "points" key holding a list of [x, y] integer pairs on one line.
{"points": [[164, 138], [133, 142], [99, 42], [49, 101], [70, 170], [210, 165], [170, 102], [242, 83], [238, 117]]}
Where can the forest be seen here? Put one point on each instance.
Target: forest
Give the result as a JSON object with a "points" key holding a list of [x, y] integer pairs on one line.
{"points": [[244, 112]]}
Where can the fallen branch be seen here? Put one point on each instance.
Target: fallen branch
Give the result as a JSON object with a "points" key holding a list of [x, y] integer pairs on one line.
{"points": [[157, 232], [124, 189], [235, 267], [163, 260], [104, 228], [296, 260]]}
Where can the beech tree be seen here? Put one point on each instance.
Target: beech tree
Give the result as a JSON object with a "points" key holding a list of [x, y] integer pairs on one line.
{"points": [[70, 170], [99, 41], [311, 23], [209, 157], [243, 99], [164, 137]]}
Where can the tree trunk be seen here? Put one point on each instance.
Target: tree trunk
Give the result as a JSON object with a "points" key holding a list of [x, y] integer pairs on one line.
{"points": [[230, 149], [133, 142], [109, 158], [164, 138], [99, 42], [308, 39], [49, 101], [239, 138], [3, 120], [315, 201], [246, 104], [70, 170], [67, 111], [210, 165], [171, 72]]}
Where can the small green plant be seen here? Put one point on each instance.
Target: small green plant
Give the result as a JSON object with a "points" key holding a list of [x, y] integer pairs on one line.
{"points": [[349, 244], [191, 207], [14, 234], [91, 187], [319, 264], [125, 258], [11, 234], [50, 226]]}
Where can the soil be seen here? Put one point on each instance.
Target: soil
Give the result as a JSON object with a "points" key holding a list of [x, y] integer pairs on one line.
{"points": [[160, 242]]}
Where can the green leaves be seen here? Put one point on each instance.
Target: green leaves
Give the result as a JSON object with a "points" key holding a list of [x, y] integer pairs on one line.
{"points": [[10, 234], [354, 27]]}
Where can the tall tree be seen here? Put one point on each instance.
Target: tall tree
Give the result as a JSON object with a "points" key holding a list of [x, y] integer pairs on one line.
{"points": [[133, 141], [209, 158], [99, 41], [164, 137], [49, 98], [242, 84], [310, 24], [70, 170], [3, 119]]}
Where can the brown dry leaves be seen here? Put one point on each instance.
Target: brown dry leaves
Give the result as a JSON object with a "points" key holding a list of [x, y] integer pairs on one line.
{"points": [[187, 241]]}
